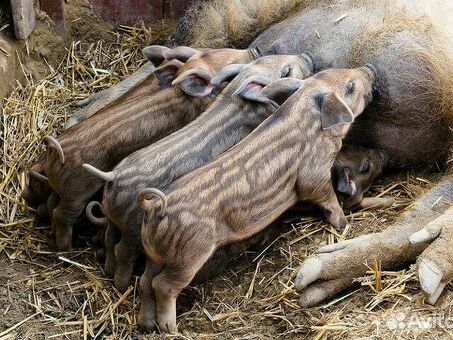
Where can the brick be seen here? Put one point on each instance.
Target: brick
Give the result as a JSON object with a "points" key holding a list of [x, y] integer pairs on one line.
{"points": [[24, 18]]}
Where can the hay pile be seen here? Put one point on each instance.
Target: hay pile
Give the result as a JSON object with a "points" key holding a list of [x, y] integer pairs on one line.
{"points": [[44, 294]]}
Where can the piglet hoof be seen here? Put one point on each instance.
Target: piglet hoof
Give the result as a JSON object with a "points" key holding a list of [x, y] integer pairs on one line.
{"points": [[121, 284], [167, 325], [338, 220], [147, 321], [43, 211], [64, 241], [109, 268], [100, 255]]}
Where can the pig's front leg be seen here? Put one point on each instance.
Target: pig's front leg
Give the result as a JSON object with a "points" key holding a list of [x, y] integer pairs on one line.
{"points": [[334, 267], [435, 265], [324, 196]]}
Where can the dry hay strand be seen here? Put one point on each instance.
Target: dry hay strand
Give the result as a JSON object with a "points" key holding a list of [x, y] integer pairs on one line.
{"points": [[45, 294], [50, 295]]}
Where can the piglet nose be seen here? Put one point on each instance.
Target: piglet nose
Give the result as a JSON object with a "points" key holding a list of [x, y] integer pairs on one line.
{"points": [[343, 181]]}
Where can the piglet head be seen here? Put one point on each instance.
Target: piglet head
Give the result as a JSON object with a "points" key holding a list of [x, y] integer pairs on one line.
{"points": [[38, 189], [250, 79], [194, 77], [339, 95], [354, 171]]}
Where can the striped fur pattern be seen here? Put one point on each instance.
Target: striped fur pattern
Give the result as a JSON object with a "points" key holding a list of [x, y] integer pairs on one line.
{"points": [[227, 120], [110, 135], [286, 159], [135, 87]]}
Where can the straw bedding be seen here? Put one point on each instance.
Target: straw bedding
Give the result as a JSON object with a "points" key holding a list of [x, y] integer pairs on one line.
{"points": [[44, 294]]}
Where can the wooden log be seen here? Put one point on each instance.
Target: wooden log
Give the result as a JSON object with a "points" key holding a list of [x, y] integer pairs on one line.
{"points": [[24, 18]]}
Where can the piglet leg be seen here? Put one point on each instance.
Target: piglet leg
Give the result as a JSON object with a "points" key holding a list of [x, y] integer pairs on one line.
{"points": [[375, 203], [52, 203], [147, 314], [64, 217], [334, 267], [112, 237], [127, 251], [331, 207], [169, 283]]}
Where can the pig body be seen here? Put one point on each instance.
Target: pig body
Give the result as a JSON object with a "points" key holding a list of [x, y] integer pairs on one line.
{"points": [[410, 43], [286, 159], [110, 135], [194, 67], [104, 140], [227, 120], [139, 83]]}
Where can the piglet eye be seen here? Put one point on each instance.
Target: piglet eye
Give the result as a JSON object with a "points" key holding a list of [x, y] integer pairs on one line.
{"points": [[350, 88]]}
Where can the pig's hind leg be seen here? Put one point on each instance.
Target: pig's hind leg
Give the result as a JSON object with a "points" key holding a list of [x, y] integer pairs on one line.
{"points": [[174, 278], [112, 237], [127, 252], [147, 314], [64, 217]]}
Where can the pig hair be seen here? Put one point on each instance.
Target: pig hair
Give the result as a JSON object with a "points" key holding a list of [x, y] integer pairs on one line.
{"points": [[427, 75], [232, 23]]}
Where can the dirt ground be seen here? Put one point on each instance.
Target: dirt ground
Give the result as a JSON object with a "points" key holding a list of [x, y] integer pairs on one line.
{"points": [[50, 295]]}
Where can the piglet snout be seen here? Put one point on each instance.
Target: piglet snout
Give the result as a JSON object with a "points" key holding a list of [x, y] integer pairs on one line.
{"points": [[344, 184]]}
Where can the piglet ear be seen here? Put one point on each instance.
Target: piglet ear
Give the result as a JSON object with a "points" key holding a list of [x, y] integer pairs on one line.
{"points": [[250, 88], [227, 74], [280, 90], [334, 111], [195, 82], [155, 54], [181, 53], [167, 72]]}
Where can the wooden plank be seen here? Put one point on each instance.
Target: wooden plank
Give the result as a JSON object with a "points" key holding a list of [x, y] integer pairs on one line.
{"points": [[24, 19]]}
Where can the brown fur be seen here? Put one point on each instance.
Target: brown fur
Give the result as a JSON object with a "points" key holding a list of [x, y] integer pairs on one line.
{"points": [[249, 186], [223, 23], [353, 172], [107, 137], [237, 110], [335, 266], [412, 42]]}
